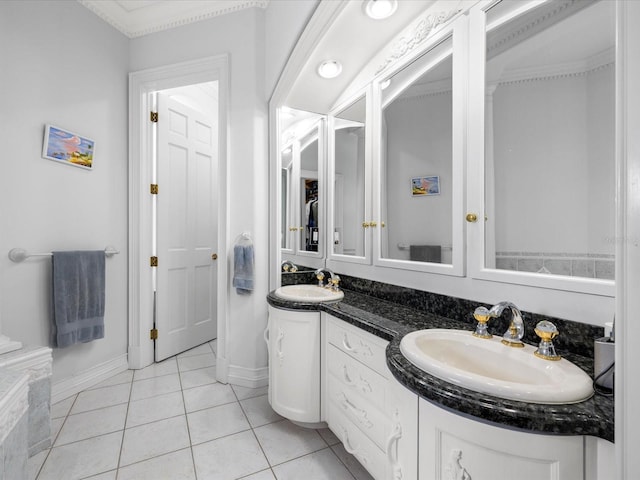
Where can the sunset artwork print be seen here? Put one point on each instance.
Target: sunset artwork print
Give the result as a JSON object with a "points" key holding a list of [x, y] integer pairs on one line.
{"points": [[422, 186], [66, 147]]}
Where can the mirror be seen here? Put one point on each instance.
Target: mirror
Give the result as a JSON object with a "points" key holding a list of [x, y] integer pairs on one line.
{"points": [[417, 187], [286, 172], [309, 188], [349, 192], [549, 140]]}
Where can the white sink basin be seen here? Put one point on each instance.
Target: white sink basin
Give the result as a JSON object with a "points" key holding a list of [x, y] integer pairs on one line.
{"points": [[309, 294], [488, 366]]}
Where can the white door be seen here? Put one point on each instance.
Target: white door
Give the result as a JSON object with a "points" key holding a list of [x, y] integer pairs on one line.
{"points": [[186, 215]]}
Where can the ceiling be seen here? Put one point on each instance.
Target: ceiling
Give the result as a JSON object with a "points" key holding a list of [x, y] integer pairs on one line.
{"points": [[136, 18]]}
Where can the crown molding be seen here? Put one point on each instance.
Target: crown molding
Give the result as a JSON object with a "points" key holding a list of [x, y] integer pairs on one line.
{"points": [[159, 16]]}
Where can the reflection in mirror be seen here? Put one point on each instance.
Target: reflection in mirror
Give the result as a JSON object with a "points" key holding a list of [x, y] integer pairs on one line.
{"points": [[349, 180], [310, 220], [549, 146], [416, 159], [285, 194]]}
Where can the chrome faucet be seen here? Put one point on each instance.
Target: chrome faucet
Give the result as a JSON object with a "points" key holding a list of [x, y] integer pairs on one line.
{"points": [[333, 278], [288, 266], [513, 336]]}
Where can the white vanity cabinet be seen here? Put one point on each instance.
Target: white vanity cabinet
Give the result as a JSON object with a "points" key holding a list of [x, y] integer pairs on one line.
{"points": [[370, 412], [455, 447], [294, 364]]}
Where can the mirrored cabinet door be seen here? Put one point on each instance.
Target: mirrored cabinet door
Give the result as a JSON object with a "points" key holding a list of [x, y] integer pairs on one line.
{"points": [[549, 135], [420, 164], [301, 195], [349, 192]]}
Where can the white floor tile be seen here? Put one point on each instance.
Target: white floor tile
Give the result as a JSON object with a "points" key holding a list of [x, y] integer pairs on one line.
{"points": [[34, 464], [263, 475], [322, 465], [92, 424], [175, 466], [150, 410], [208, 396], [245, 392], [104, 476], [200, 350], [82, 459], [259, 412], [195, 362], [214, 345], [216, 422], [61, 408], [151, 387], [229, 457], [153, 439], [283, 441], [56, 426], [123, 377], [101, 397], [166, 367], [352, 464], [198, 378]]}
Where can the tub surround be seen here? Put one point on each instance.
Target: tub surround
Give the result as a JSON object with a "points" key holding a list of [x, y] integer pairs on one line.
{"points": [[390, 312], [13, 424]]}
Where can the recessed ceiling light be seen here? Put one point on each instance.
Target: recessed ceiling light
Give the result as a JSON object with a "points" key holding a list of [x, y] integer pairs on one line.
{"points": [[329, 69], [379, 9]]}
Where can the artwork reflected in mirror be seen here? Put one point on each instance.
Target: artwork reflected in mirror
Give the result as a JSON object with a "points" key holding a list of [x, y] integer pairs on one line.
{"points": [[549, 141], [416, 161], [349, 180]]}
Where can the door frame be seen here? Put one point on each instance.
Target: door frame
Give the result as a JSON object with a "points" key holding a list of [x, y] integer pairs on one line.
{"points": [[141, 84]]}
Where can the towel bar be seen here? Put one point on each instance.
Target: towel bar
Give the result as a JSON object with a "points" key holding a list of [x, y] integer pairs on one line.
{"points": [[20, 254]]}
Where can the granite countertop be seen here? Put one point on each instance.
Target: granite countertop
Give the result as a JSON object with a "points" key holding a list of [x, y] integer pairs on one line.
{"points": [[392, 321]]}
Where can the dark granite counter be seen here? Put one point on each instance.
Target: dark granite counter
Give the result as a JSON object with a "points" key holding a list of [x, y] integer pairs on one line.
{"points": [[391, 321]]}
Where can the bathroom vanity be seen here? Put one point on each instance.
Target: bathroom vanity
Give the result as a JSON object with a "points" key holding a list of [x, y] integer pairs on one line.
{"points": [[401, 422]]}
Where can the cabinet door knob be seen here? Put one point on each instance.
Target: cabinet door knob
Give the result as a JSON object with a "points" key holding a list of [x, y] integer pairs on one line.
{"points": [[373, 224], [214, 256], [472, 217], [365, 225], [382, 224]]}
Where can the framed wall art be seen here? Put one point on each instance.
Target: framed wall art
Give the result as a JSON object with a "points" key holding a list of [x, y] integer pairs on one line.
{"points": [[67, 147], [425, 186]]}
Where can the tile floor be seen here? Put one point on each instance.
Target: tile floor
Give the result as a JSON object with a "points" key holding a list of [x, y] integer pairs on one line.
{"points": [[173, 421]]}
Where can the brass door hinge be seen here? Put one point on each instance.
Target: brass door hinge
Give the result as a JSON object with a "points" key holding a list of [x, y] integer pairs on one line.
{"points": [[153, 261], [154, 189], [153, 116], [153, 334]]}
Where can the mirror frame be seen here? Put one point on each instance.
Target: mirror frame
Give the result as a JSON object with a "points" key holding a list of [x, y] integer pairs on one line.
{"points": [[476, 232], [457, 36], [365, 94]]}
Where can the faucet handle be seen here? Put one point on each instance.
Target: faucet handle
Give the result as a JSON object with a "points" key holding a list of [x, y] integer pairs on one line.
{"points": [[334, 282], [547, 331], [482, 315]]}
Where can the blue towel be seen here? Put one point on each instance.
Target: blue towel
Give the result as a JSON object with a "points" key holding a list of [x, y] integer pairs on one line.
{"points": [[78, 297], [243, 269]]}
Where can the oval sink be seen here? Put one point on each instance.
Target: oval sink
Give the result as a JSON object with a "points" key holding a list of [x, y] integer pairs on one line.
{"points": [[309, 294], [488, 366]]}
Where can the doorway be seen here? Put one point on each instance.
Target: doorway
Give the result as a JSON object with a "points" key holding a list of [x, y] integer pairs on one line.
{"points": [[143, 87]]}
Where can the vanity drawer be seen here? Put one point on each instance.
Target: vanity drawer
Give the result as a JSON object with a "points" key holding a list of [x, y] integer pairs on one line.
{"points": [[355, 377], [371, 421], [358, 344], [357, 444]]}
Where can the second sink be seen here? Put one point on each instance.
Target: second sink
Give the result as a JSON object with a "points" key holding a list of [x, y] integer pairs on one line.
{"points": [[309, 293], [485, 365]]}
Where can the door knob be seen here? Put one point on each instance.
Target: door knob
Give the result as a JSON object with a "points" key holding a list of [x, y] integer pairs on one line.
{"points": [[214, 256], [472, 217]]}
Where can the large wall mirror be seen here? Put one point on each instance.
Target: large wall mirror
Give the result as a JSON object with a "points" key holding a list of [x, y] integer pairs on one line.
{"points": [[349, 183], [549, 140], [417, 184]]}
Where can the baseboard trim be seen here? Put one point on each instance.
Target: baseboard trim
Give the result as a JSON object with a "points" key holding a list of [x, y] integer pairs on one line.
{"points": [[248, 377], [65, 388]]}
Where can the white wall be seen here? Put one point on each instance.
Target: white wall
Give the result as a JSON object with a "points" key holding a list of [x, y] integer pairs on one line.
{"points": [[418, 144], [61, 65], [554, 150]]}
